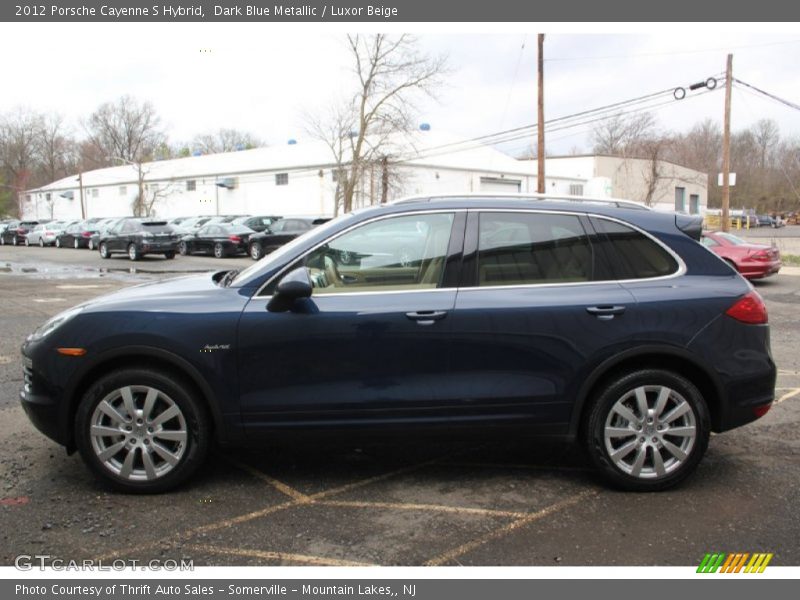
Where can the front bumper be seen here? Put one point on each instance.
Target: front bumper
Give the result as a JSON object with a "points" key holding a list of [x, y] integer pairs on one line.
{"points": [[41, 408]]}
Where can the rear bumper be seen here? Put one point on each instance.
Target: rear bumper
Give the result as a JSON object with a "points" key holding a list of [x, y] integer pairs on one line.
{"points": [[759, 269], [743, 369]]}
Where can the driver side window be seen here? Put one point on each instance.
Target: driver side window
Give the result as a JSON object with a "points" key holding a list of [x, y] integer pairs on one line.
{"points": [[398, 253]]}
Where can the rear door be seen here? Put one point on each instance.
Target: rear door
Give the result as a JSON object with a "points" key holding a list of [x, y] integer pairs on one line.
{"points": [[538, 303]]}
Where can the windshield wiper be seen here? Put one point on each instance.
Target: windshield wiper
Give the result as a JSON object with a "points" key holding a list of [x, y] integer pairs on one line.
{"points": [[229, 277]]}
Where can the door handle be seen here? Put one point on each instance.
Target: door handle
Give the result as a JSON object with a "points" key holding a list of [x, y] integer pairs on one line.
{"points": [[426, 317], [606, 312]]}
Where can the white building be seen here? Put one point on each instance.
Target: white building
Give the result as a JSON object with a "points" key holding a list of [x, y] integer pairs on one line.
{"points": [[671, 187], [299, 179]]}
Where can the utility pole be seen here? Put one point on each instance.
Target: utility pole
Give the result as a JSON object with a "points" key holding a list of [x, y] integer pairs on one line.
{"points": [[80, 187], [540, 119], [726, 147]]}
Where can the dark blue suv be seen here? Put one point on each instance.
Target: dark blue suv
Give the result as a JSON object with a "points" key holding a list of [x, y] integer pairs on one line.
{"points": [[598, 322]]}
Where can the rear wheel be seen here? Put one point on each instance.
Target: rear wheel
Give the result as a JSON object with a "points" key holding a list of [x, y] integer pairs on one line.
{"points": [[41, 242], [219, 251], [58, 242], [76, 244], [15, 242], [133, 252], [255, 251], [170, 254], [142, 431], [648, 430], [90, 244], [183, 248], [27, 242]]}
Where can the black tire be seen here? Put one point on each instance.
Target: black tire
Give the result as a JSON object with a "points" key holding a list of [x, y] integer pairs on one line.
{"points": [[256, 251], [192, 409], [183, 248], [103, 249], [133, 252], [90, 244], [600, 413], [170, 255], [14, 241], [58, 242], [76, 243], [220, 251]]}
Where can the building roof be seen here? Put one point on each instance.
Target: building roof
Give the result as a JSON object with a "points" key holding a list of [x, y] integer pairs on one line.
{"points": [[430, 149]]}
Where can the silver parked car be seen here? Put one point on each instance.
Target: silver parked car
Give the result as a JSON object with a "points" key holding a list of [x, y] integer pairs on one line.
{"points": [[44, 234]]}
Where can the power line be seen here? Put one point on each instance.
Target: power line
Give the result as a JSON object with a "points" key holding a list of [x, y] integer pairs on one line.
{"points": [[768, 95], [669, 53]]}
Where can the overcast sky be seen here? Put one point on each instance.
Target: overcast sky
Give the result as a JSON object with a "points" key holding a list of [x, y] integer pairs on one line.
{"points": [[261, 78]]}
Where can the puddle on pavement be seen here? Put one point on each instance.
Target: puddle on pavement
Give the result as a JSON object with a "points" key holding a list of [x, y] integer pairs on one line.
{"points": [[55, 271]]}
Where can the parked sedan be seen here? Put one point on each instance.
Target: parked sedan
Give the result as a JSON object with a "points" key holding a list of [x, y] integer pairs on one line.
{"points": [[753, 261], [76, 235], [138, 237], [45, 234], [279, 233], [16, 232], [257, 224], [219, 239], [102, 227]]}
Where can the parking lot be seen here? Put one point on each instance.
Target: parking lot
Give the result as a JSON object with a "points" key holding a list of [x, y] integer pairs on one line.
{"points": [[404, 503]]}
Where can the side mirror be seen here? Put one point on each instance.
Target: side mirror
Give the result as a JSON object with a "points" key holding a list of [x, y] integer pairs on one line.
{"points": [[294, 286]]}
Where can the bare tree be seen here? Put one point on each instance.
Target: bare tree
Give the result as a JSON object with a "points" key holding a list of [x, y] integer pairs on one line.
{"points": [[57, 149], [618, 135], [391, 74], [19, 149], [126, 129], [225, 140], [767, 137]]}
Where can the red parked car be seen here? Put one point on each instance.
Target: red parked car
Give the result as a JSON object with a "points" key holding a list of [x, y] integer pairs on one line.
{"points": [[753, 261]]}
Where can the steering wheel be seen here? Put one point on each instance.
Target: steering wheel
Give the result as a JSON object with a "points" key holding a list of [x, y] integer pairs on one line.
{"points": [[332, 272]]}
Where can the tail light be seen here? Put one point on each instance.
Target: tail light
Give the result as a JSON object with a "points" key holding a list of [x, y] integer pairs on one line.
{"points": [[760, 411], [750, 309], [760, 255], [235, 239], [87, 234]]}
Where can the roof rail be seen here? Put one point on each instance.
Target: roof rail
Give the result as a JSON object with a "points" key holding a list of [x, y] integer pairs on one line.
{"points": [[618, 202]]}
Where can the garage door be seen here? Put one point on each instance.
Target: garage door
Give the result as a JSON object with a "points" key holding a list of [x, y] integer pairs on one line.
{"points": [[504, 186]]}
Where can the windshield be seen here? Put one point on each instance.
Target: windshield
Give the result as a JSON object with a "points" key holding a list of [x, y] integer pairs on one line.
{"points": [[279, 255], [729, 237]]}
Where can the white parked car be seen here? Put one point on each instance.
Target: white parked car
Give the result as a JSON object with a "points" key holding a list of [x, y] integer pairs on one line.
{"points": [[44, 234]]}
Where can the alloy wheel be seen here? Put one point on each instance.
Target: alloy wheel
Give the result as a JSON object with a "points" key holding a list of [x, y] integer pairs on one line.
{"points": [[650, 431], [138, 433], [75, 243], [255, 251]]}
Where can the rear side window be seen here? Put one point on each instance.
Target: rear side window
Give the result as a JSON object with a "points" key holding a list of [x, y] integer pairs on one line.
{"points": [[632, 254], [532, 248]]}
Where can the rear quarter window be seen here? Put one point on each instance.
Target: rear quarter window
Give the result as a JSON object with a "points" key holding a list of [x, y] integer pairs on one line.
{"points": [[632, 254]]}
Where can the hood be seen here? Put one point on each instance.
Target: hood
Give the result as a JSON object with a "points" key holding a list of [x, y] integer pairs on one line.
{"points": [[151, 295]]}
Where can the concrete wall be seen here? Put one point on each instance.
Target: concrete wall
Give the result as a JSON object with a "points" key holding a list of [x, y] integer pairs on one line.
{"points": [[630, 178]]}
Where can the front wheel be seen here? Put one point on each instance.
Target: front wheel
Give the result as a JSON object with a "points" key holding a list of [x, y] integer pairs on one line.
{"points": [[76, 244], [41, 242], [58, 242], [648, 430], [133, 252], [104, 253], [90, 244], [27, 242], [142, 431], [183, 248], [170, 255]]}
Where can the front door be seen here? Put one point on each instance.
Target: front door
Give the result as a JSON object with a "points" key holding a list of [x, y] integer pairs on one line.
{"points": [[370, 346]]}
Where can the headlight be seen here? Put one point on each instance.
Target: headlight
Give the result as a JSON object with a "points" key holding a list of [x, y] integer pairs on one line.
{"points": [[50, 326]]}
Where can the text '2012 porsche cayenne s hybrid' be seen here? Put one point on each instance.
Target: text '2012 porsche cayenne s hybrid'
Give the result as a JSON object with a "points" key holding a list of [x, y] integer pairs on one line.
{"points": [[603, 323]]}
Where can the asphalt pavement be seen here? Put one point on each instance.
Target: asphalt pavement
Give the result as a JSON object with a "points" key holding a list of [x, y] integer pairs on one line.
{"points": [[404, 503]]}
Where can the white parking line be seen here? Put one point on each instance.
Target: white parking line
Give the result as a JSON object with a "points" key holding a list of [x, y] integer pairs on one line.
{"points": [[788, 395]]}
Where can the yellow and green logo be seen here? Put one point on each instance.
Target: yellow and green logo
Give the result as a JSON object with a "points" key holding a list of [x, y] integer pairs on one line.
{"points": [[738, 562]]}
